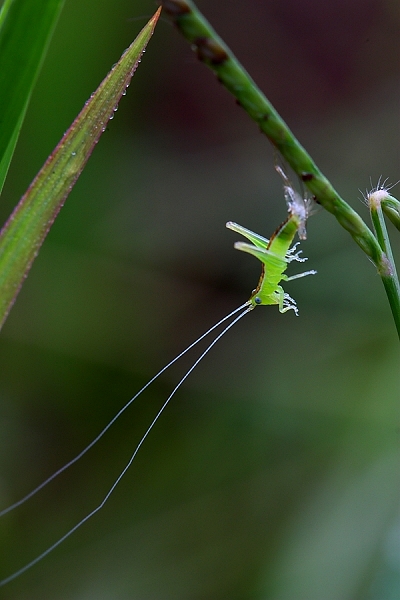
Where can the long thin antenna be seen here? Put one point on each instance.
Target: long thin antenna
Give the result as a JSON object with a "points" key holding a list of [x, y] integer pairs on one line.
{"points": [[119, 413], [248, 308]]}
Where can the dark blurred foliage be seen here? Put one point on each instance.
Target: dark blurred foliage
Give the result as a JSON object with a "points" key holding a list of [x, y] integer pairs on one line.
{"points": [[274, 472]]}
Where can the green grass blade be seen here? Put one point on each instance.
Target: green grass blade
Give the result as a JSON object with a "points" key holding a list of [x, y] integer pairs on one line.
{"points": [[32, 218], [26, 27]]}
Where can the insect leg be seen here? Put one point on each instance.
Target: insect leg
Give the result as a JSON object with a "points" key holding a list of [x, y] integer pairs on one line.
{"points": [[292, 255], [286, 302], [299, 275], [258, 240]]}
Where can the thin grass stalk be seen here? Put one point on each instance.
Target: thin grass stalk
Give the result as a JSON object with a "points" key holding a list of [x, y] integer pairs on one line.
{"points": [[214, 53]]}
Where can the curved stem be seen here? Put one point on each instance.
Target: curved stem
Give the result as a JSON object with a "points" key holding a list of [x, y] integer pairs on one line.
{"points": [[213, 52], [389, 276]]}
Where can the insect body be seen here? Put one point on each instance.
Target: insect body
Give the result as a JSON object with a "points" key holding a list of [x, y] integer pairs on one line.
{"points": [[275, 254]]}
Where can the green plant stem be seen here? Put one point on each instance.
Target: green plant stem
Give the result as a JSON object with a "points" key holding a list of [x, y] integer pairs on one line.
{"points": [[390, 279], [391, 208], [392, 292], [213, 52]]}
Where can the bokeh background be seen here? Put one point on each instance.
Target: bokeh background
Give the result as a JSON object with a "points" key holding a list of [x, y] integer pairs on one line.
{"points": [[274, 472]]}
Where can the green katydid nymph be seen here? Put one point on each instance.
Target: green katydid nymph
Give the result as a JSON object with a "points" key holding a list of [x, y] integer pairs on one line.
{"points": [[275, 254]]}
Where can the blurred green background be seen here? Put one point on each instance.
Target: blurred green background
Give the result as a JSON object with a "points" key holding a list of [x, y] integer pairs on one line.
{"points": [[274, 473]]}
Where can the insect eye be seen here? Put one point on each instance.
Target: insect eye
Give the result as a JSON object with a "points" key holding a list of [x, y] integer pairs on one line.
{"points": [[257, 300]]}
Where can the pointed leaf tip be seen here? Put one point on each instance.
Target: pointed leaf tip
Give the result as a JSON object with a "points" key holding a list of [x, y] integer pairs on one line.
{"points": [[155, 17]]}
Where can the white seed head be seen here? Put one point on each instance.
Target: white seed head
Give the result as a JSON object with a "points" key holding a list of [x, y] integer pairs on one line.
{"points": [[377, 194]]}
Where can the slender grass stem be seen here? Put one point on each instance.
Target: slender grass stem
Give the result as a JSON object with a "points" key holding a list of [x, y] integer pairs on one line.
{"points": [[390, 278], [391, 208], [214, 53], [211, 50]]}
